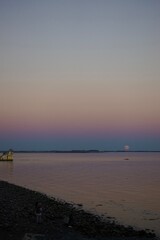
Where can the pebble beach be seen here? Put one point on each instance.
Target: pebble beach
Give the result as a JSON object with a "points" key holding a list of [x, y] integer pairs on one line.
{"points": [[60, 220]]}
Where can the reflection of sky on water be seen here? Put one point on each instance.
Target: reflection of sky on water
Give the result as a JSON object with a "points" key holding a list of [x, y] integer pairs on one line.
{"points": [[104, 183], [6, 170]]}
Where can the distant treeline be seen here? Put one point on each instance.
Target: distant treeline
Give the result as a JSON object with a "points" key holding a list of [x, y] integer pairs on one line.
{"points": [[75, 151]]}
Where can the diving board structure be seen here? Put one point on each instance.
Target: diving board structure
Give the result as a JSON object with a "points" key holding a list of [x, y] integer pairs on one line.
{"points": [[7, 156]]}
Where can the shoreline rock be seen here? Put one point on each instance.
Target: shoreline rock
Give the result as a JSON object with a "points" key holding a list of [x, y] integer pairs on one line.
{"points": [[61, 220]]}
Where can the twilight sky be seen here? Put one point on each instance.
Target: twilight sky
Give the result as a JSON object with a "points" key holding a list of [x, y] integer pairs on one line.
{"points": [[79, 74]]}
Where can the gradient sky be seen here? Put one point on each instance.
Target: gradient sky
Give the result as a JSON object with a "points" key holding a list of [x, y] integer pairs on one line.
{"points": [[79, 74]]}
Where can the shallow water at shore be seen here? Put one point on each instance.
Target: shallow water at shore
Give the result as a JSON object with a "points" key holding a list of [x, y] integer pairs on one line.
{"points": [[105, 183]]}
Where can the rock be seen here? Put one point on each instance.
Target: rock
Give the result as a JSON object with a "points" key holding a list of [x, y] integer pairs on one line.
{"points": [[17, 216]]}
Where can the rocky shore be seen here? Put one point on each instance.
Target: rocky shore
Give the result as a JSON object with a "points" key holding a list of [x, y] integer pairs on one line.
{"points": [[61, 220]]}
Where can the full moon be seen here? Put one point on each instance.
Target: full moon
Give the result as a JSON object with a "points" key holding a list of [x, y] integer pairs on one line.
{"points": [[126, 147]]}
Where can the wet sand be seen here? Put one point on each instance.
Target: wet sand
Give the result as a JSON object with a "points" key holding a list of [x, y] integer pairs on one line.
{"points": [[17, 217]]}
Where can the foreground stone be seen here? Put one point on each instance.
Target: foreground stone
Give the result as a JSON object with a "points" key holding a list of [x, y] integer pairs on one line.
{"points": [[60, 219], [31, 236]]}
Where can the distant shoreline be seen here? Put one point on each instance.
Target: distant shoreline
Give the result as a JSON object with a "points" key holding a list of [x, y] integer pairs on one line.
{"points": [[81, 151]]}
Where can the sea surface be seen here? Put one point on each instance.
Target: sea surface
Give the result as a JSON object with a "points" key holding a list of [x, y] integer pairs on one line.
{"points": [[124, 186]]}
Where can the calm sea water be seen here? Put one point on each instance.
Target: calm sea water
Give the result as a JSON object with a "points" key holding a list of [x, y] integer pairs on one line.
{"points": [[105, 183]]}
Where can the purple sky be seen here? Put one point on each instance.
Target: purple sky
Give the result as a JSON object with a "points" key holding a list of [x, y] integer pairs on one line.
{"points": [[79, 75]]}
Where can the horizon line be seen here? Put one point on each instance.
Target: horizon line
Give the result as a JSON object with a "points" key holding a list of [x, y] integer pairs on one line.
{"points": [[77, 151]]}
